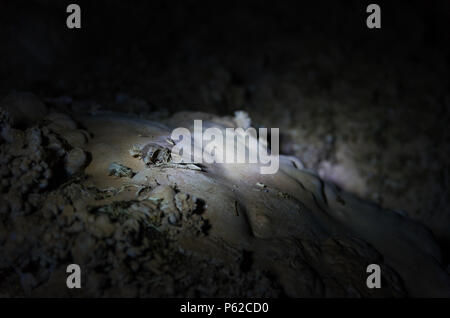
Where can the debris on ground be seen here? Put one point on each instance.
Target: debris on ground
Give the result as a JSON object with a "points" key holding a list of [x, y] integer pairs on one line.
{"points": [[119, 170]]}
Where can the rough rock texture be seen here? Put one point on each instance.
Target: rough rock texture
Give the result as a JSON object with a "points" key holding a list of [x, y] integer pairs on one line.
{"points": [[182, 230]]}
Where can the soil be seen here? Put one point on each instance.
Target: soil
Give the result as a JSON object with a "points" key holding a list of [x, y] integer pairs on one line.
{"points": [[367, 112]]}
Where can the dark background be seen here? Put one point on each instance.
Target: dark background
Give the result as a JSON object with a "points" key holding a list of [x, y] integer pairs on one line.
{"points": [[133, 45]]}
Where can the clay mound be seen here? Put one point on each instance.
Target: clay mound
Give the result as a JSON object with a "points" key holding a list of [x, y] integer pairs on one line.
{"points": [[139, 224], [315, 238]]}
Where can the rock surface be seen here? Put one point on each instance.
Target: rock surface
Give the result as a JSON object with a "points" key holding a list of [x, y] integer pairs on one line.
{"points": [[173, 230]]}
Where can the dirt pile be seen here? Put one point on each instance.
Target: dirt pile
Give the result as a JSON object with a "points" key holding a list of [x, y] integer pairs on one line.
{"points": [[100, 190]]}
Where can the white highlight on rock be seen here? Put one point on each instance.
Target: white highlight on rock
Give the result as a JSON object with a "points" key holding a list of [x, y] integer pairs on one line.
{"points": [[236, 145]]}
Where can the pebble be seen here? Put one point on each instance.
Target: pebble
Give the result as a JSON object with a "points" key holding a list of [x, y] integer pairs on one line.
{"points": [[75, 160]]}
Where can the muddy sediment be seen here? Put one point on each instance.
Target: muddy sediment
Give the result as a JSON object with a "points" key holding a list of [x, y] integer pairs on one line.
{"points": [[140, 225]]}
